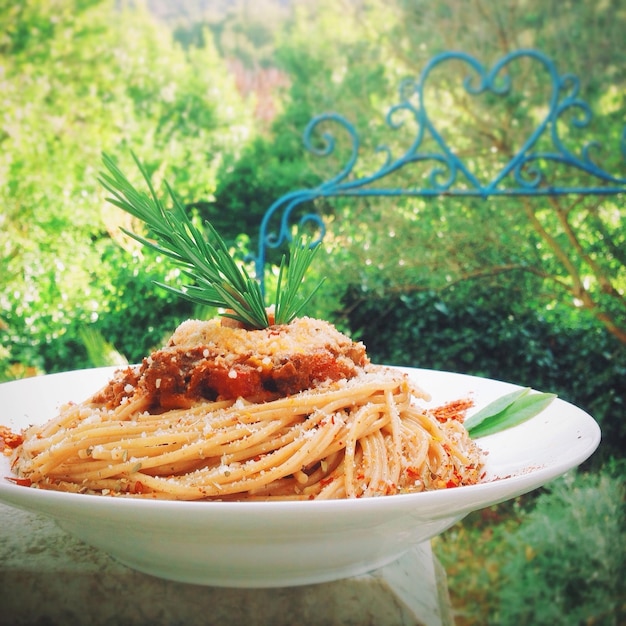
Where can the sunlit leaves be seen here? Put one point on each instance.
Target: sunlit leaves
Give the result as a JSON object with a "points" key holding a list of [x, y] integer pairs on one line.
{"points": [[78, 78]]}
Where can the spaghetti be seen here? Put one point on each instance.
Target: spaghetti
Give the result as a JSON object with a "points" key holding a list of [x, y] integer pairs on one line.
{"points": [[358, 432]]}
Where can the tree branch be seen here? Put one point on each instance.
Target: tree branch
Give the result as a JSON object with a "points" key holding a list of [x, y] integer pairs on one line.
{"points": [[562, 214]]}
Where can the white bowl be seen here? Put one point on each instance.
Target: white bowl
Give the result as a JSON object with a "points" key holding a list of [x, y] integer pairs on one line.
{"points": [[274, 544]]}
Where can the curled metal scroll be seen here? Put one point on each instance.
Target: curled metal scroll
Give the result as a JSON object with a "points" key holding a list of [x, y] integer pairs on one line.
{"points": [[447, 167]]}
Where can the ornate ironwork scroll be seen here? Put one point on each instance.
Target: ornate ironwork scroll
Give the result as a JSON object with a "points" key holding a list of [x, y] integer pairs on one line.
{"points": [[448, 169]]}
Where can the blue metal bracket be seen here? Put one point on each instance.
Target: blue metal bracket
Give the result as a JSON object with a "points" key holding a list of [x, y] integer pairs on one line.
{"points": [[443, 178]]}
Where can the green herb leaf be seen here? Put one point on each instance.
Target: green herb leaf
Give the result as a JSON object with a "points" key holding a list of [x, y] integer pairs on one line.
{"points": [[290, 278], [508, 411], [216, 278], [495, 407]]}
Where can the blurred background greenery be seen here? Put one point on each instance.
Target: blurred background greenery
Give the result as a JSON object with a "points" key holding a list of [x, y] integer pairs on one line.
{"points": [[213, 97]]}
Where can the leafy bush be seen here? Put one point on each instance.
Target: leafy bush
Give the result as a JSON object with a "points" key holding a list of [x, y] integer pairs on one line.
{"points": [[566, 559], [551, 557], [247, 188], [80, 78]]}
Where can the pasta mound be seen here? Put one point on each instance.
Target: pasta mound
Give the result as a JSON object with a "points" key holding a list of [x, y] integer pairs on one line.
{"points": [[290, 412]]}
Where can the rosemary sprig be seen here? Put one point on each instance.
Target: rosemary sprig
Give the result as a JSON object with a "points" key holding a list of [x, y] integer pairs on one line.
{"points": [[290, 277], [217, 280]]}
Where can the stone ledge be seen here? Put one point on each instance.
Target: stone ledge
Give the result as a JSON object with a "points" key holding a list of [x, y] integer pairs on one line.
{"points": [[48, 577]]}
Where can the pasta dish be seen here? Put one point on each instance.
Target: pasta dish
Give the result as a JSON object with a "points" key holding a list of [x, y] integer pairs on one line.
{"points": [[293, 411]]}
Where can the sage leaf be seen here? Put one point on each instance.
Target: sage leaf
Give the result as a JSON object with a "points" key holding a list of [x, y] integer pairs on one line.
{"points": [[526, 406], [495, 407]]}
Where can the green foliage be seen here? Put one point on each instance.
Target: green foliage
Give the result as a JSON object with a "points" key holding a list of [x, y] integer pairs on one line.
{"points": [[473, 553], [136, 316], [101, 353], [132, 314], [550, 558], [247, 187], [347, 74], [80, 78], [567, 557]]}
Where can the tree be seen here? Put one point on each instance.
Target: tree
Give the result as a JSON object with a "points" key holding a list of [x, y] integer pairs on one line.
{"points": [[80, 78]]}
